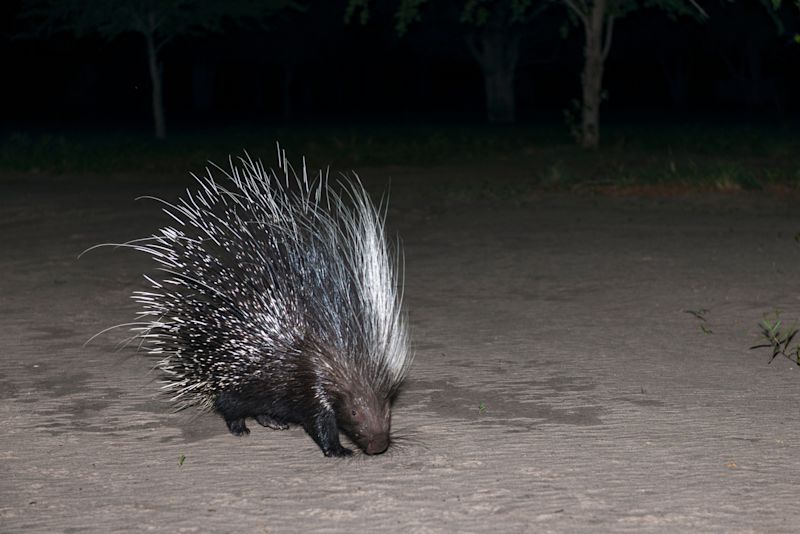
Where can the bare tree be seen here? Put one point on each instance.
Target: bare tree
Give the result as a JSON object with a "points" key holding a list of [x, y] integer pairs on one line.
{"points": [[492, 30], [596, 17], [158, 21]]}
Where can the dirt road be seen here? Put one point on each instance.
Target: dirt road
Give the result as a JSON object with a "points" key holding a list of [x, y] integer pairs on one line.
{"points": [[559, 384]]}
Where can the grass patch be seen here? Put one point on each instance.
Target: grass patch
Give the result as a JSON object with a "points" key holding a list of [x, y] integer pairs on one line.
{"points": [[75, 152], [705, 157]]}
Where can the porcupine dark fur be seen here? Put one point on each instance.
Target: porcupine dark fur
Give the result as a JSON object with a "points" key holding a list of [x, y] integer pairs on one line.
{"points": [[279, 299]]}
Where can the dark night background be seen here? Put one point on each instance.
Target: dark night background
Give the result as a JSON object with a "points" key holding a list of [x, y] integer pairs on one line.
{"points": [[312, 72]]}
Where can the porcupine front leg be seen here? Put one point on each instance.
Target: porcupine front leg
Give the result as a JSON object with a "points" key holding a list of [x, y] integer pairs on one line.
{"points": [[323, 429]]}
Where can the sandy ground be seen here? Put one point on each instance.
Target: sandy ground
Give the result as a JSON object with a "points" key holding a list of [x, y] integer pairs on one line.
{"points": [[559, 385]]}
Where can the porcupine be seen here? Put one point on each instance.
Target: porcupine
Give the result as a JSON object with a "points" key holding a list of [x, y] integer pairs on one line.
{"points": [[279, 299]]}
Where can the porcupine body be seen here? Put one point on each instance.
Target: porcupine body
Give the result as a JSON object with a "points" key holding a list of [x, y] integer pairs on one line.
{"points": [[279, 299]]}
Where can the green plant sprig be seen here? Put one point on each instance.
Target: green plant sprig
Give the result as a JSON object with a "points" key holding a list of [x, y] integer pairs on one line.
{"points": [[778, 340]]}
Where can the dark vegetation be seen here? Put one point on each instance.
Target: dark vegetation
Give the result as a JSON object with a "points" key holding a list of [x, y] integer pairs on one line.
{"points": [[706, 156]]}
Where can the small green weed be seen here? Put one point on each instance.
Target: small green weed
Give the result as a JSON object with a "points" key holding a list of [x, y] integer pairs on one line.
{"points": [[701, 316], [778, 339]]}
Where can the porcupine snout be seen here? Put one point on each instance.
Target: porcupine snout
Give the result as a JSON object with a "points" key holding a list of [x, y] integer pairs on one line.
{"points": [[377, 433], [377, 444]]}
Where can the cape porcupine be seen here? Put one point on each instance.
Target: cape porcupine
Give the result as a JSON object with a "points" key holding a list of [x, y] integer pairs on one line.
{"points": [[279, 299]]}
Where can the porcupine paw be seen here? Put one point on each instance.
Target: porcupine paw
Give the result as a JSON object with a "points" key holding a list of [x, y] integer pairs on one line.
{"points": [[269, 422], [337, 452], [237, 427]]}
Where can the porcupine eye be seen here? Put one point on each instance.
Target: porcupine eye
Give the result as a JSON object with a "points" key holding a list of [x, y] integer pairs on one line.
{"points": [[356, 415]]}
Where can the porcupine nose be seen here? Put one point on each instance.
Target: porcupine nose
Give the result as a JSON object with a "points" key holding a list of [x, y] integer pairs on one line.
{"points": [[377, 444]]}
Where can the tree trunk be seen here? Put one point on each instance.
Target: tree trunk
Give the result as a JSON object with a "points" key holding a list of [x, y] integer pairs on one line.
{"points": [[155, 80], [591, 79], [498, 79], [597, 29], [496, 49]]}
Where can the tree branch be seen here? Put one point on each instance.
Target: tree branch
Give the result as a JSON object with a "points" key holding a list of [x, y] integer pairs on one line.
{"points": [[473, 47], [700, 9], [160, 43], [581, 14], [609, 32]]}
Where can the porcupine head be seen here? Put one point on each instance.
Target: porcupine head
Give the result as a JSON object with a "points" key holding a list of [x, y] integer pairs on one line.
{"points": [[360, 404], [348, 390], [327, 391]]}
